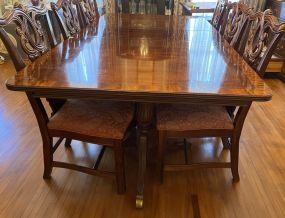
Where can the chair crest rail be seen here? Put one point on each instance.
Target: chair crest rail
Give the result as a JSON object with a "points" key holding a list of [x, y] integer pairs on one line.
{"points": [[28, 28]]}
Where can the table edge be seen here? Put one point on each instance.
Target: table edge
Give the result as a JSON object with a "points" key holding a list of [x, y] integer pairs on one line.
{"points": [[139, 95]]}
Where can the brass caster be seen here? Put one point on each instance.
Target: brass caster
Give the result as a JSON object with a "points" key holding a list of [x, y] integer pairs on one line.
{"points": [[139, 202]]}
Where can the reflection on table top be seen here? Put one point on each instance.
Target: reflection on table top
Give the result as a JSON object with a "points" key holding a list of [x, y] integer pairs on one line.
{"points": [[150, 55]]}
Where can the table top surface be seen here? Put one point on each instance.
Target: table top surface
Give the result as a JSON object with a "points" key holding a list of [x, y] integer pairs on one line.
{"points": [[144, 57]]}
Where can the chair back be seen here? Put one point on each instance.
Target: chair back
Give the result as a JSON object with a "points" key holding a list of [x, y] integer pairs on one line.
{"points": [[265, 33], [237, 23], [89, 10], [220, 14], [32, 37], [67, 17]]}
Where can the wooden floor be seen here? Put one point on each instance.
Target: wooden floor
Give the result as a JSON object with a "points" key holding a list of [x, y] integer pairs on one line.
{"points": [[260, 193]]}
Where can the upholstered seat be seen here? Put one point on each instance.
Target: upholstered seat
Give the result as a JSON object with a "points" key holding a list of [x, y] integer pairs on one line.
{"points": [[172, 117], [93, 118]]}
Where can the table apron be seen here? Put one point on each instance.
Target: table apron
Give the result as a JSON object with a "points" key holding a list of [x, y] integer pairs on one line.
{"points": [[151, 98]]}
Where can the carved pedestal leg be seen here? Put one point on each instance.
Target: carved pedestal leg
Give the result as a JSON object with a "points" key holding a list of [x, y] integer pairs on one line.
{"points": [[144, 118]]}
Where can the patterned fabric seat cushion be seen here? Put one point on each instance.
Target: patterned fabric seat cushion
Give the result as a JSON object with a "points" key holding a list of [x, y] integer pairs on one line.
{"points": [[173, 117], [94, 118]]}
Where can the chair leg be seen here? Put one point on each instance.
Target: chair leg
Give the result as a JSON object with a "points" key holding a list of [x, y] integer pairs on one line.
{"points": [[120, 168], [67, 143], [226, 143], [161, 150], [231, 111], [48, 158], [238, 123], [234, 158], [187, 146]]}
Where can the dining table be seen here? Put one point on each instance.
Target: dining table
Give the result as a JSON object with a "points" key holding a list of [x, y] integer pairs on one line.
{"points": [[147, 60]]}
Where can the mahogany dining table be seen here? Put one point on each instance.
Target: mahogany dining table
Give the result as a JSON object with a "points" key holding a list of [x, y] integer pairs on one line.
{"points": [[147, 60]]}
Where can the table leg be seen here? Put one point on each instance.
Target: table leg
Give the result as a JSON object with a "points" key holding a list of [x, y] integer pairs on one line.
{"points": [[145, 113], [281, 75]]}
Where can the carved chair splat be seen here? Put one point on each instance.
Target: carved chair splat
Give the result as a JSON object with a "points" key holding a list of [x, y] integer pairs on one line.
{"points": [[89, 11], [220, 15], [265, 33], [237, 23], [69, 21]]}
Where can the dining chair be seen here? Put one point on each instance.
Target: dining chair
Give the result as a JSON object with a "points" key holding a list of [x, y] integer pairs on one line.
{"points": [[237, 20], [89, 11], [43, 42], [237, 23], [220, 15], [97, 122], [199, 121], [20, 15], [258, 33], [67, 15], [264, 35]]}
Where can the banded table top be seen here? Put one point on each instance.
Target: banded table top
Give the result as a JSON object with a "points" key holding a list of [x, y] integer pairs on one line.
{"points": [[144, 58]]}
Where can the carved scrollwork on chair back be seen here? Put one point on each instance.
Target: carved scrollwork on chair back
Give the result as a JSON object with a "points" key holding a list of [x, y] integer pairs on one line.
{"points": [[219, 13], [264, 36], [70, 25], [29, 29], [90, 10], [237, 21]]}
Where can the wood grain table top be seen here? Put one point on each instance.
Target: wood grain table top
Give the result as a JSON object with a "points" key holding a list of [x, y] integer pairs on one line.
{"points": [[144, 58]]}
